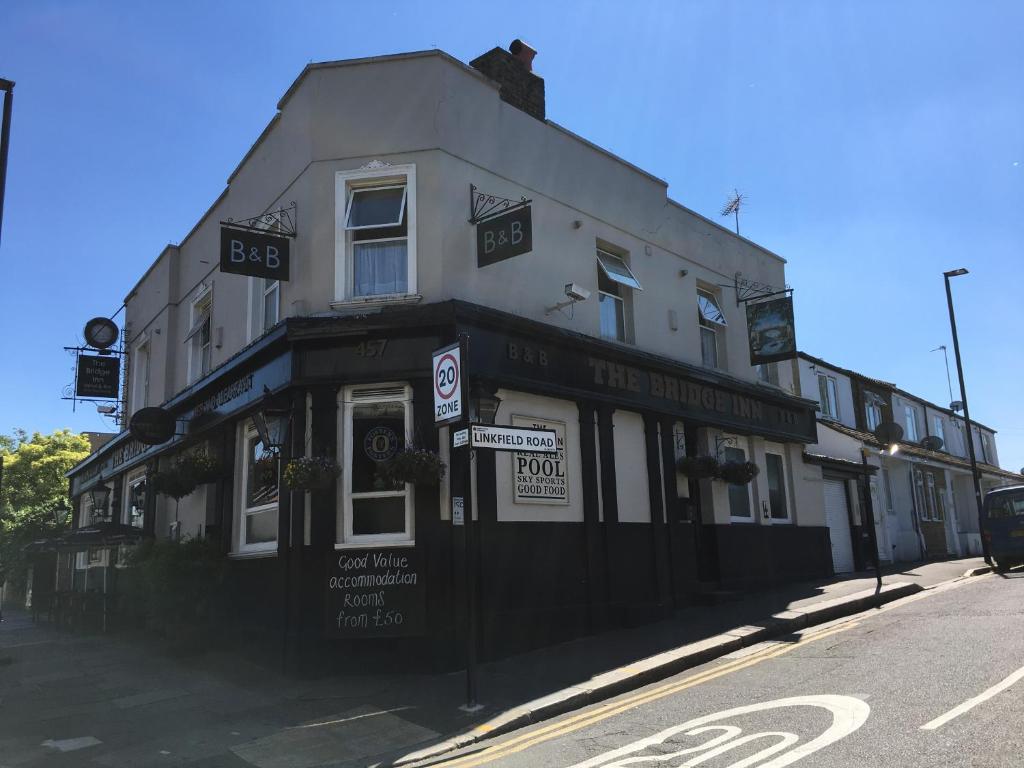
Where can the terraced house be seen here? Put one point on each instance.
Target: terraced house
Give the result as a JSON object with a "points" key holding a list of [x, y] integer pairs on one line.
{"points": [[596, 307]]}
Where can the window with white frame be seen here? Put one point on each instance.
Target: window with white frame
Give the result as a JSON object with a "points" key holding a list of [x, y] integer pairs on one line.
{"points": [[828, 396], [258, 493], [376, 249], [910, 420], [265, 304], [872, 410], [887, 486], [778, 496], [615, 280], [767, 373], [94, 557], [939, 429], [711, 320], [200, 336], [140, 374], [986, 448], [375, 423], [739, 494], [135, 499]]}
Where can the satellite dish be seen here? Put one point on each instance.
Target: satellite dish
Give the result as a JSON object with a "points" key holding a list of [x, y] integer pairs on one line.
{"points": [[956, 405], [100, 332], [932, 443], [888, 433]]}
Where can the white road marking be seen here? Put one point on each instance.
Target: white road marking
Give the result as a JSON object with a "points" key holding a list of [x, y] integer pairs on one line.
{"points": [[70, 745], [348, 719], [970, 704], [848, 714]]}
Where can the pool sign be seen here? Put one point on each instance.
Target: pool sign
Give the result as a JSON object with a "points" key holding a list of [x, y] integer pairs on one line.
{"points": [[514, 439], [447, 384]]}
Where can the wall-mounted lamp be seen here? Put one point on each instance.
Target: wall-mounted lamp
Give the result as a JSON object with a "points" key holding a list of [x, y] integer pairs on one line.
{"points": [[100, 496], [483, 404], [272, 421]]}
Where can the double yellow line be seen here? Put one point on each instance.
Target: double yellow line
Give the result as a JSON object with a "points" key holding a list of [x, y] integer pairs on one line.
{"points": [[604, 711]]}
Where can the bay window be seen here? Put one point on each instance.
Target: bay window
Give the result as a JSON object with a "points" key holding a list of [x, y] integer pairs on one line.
{"points": [[376, 249], [375, 423]]}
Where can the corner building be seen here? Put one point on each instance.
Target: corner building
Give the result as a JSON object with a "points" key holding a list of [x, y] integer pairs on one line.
{"points": [[379, 157]]}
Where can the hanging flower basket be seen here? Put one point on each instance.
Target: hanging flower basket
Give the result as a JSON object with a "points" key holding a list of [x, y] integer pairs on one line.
{"points": [[175, 481], [697, 467], [738, 472], [265, 470], [413, 465], [310, 474], [203, 466]]}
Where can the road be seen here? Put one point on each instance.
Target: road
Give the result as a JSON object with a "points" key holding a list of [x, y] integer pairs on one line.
{"points": [[932, 680]]}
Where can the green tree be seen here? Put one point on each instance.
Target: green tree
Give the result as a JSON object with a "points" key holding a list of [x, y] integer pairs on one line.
{"points": [[33, 486]]}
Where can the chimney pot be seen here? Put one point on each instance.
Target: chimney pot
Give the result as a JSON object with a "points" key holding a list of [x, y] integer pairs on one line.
{"points": [[524, 52]]}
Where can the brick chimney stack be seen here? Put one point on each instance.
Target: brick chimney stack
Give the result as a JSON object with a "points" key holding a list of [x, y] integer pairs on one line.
{"points": [[513, 71]]}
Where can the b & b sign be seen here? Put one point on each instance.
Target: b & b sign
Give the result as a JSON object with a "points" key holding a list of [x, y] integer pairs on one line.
{"points": [[503, 237], [253, 253]]}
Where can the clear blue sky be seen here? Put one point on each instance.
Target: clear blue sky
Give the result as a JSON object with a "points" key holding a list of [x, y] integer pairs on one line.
{"points": [[879, 144]]}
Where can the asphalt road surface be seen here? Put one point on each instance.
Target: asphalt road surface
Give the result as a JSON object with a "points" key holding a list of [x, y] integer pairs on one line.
{"points": [[932, 680]]}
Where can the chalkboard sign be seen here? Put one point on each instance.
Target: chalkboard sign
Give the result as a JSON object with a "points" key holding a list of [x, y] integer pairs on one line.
{"points": [[375, 593], [98, 376]]}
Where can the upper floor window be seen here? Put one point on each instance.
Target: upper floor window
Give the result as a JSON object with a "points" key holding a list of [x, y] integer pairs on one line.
{"points": [[375, 422], [200, 336], [986, 448], [828, 396], [872, 410], [376, 251], [265, 305], [767, 372], [939, 430], [615, 280], [910, 420], [711, 320]]}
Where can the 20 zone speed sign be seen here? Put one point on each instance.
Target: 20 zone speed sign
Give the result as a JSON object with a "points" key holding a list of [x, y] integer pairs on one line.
{"points": [[447, 384]]}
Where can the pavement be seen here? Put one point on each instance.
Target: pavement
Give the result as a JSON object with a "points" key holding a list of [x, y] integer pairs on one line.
{"points": [[932, 679], [74, 700]]}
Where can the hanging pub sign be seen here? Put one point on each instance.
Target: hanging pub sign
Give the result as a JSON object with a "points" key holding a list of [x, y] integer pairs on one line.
{"points": [[152, 426], [98, 376], [504, 236], [256, 254], [375, 593], [101, 333], [770, 330]]}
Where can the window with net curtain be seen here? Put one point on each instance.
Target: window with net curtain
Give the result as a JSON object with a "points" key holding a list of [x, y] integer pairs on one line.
{"points": [[377, 223]]}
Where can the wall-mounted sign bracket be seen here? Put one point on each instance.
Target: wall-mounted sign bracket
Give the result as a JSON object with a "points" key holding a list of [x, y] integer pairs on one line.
{"points": [[483, 206], [282, 222], [751, 290]]}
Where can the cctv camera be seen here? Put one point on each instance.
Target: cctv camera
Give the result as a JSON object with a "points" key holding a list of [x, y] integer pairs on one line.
{"points": [[576, 292]]}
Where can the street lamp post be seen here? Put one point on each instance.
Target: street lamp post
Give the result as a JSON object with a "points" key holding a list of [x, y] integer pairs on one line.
{"points": [[967, 413], [7, 86]]}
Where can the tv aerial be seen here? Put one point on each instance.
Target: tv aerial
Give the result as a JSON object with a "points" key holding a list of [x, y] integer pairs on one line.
{"points": [[732, 206]]}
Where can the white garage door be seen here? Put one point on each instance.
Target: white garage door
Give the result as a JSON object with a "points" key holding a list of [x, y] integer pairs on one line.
{"points": [[838, 526]]}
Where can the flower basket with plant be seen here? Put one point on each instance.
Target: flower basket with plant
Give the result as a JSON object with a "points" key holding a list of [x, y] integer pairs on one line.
{"points": [[311, 473], [697, 467], [738, 472], [177, 481], [413, 465], [203, 466]]}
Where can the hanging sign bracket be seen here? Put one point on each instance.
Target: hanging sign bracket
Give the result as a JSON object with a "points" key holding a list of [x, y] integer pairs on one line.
{"points": [[282, 222], [483, 206]]}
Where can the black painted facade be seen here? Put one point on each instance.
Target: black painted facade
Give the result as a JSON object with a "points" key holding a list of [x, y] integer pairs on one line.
{"points": [[537, 582]]}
